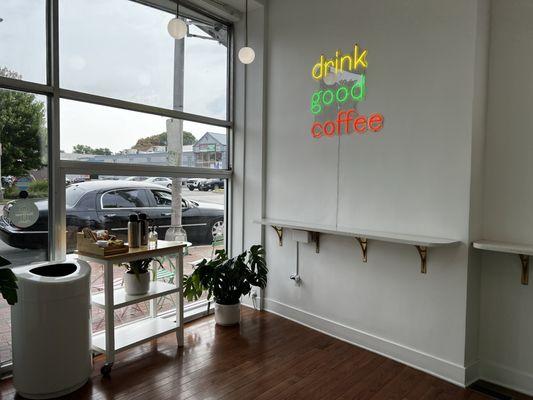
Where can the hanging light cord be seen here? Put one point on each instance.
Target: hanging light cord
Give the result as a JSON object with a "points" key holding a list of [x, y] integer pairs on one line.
{"points": [[246, 25], [177, 8]]}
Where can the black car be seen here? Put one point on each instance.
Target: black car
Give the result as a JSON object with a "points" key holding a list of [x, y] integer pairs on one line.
{"points": [[107, 205], [211, 184], [194, 183]]}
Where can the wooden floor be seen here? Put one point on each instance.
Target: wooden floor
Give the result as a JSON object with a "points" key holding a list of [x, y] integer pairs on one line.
{"points": [[266, 357]]}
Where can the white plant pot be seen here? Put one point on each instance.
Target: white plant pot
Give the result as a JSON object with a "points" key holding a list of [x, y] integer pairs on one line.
{"points": [[227, 315], [136, 285]]}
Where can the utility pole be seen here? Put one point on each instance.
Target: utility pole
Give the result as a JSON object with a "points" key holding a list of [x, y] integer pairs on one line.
{"points": [[175, 143], [175, 126]]}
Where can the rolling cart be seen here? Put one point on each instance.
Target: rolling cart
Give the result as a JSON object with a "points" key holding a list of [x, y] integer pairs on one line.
{"points": [[111, 340]]}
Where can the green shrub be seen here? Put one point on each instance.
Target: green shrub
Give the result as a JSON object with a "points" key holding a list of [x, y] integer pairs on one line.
{"points": [[39, 186], [37, 189]]}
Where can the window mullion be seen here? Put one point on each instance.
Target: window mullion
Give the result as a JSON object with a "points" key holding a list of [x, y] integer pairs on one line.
{"points": [[56, 185], [130, 106]]}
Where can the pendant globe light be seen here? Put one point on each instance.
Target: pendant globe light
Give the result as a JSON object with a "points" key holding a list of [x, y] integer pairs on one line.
{"points": [[246, 54], [177, 28]]}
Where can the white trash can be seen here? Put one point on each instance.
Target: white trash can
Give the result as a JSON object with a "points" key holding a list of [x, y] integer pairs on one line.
{"points": [[51, 329]]}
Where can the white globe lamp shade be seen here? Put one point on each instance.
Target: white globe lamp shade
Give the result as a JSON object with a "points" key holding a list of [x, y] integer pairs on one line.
{"points": [[247, 55], [177, 28]]}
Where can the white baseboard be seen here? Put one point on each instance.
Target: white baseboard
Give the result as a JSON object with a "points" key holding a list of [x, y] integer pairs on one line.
{"points": [[438, 367], [507, 377], [472, 373]]}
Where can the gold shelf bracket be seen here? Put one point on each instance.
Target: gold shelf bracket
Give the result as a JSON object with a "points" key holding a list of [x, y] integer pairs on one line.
{"points": [[279, 232], [315, 237], [524, 258], [364, 246], [423, 252]]}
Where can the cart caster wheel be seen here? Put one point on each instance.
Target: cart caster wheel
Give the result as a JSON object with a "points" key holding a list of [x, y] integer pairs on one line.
{"points": [[106, 369]]}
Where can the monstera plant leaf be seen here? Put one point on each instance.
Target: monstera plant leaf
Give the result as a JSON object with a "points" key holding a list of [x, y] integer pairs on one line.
{"points": [[227, 279], [8, 282]]}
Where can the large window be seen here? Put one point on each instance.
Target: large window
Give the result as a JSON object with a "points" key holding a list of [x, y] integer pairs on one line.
{"points": [[121, 49], [24, 189], [97, 90], [23, 39], [96, 133]]}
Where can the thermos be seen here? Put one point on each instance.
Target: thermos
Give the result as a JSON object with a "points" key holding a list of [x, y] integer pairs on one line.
{"points": [[143, 225], [134, 231]]}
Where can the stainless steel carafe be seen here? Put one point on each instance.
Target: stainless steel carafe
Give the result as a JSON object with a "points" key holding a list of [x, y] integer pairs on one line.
{"points": [[143, 225], [134, 231]]}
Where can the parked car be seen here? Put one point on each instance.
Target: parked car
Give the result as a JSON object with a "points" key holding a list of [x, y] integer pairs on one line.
{"points": [[161, 181], [194, 183], [136, 178], [7, 180], [211, 184], [107, 205]]}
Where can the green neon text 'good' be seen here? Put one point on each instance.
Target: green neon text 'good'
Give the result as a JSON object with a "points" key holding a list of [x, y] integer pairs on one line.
{"points": [[341, 95]]}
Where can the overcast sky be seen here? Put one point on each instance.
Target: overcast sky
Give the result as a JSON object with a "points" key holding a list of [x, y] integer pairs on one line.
{"points": [[119, 49]]}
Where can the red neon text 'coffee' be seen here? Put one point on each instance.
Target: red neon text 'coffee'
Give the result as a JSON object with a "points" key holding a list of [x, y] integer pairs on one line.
{"points": [[347, 122]]}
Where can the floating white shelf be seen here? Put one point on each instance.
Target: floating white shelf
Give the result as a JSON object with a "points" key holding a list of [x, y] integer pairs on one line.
{"points": [[503, 247], [523, 251], [121, 299], [130, 335], [422, 243]]}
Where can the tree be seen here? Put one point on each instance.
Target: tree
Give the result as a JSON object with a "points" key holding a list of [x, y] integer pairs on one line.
{"points": [[144, 144], [188, 138], [22, 129], [83, 149]]}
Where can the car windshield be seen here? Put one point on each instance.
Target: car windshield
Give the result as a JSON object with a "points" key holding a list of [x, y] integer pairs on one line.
{"points": [[73, 194]]}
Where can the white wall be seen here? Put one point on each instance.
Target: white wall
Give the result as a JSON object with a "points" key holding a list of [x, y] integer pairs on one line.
{"points": [[506, 323], [453, 160], [413, 177]]}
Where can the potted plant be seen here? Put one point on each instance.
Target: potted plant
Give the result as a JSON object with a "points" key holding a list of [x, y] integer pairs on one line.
{"points": [[8, 282], [226, 280], [137, 276]]}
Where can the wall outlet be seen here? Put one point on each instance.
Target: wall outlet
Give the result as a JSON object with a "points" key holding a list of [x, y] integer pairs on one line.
{"points": [[296, 278]]}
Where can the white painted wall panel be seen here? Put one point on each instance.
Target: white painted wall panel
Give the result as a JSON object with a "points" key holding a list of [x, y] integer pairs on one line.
{"points": [[413, 177], [506, 323]]}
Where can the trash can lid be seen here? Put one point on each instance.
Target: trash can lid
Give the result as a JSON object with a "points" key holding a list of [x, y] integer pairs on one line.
{"points": [[54, 272]]}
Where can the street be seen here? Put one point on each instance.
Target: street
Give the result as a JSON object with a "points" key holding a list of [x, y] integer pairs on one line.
{"points": [[204, 197]]}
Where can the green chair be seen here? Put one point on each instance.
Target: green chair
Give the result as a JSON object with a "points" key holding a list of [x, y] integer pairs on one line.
{"points": [[217, 241], [165, 274]]}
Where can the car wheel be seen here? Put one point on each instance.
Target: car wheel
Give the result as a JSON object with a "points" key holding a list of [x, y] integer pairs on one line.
{"points": [[191, 188], [216, 187], [216, 228], [169, 186]]}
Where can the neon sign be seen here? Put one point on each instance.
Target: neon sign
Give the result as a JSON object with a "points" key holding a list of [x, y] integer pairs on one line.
{"points": [[339, 63], [347, 90]]}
